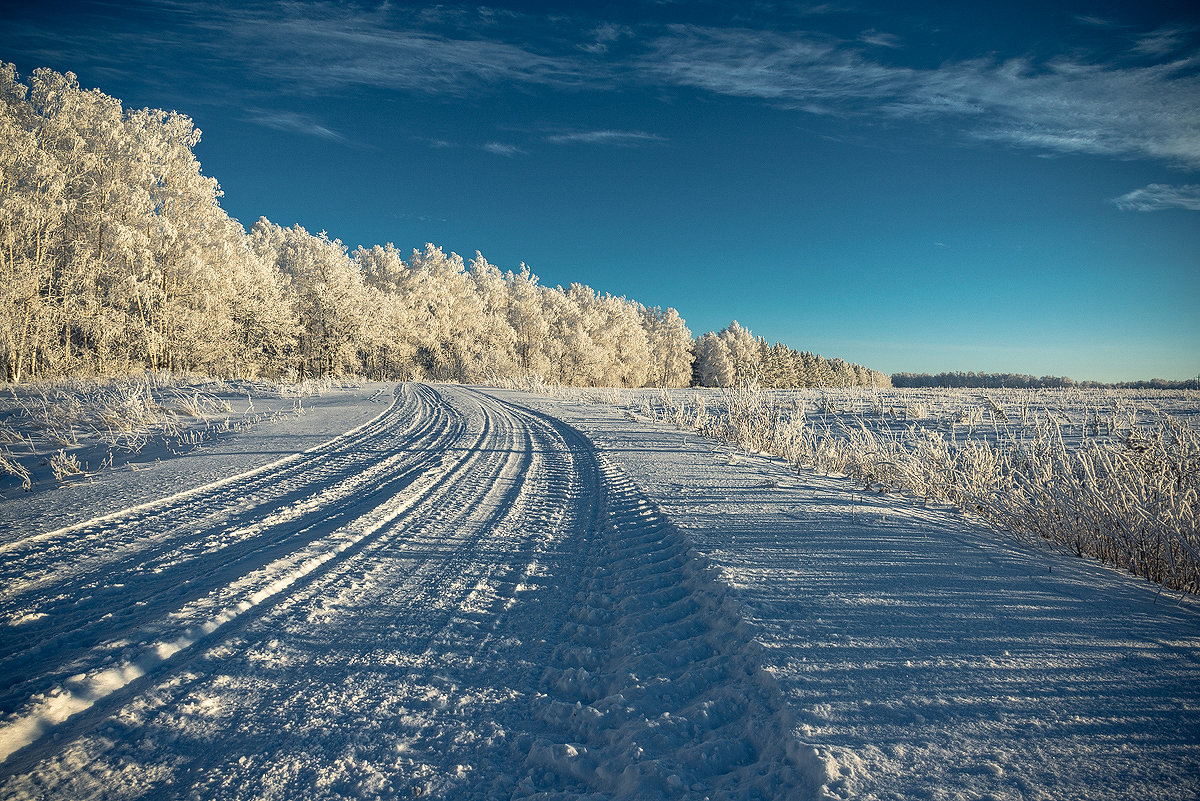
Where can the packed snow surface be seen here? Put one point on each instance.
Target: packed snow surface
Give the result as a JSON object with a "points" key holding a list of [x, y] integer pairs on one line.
{"points": [[484, 594]]}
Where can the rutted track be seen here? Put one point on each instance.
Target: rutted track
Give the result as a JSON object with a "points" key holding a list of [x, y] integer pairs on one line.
{"points": [[427, 604], [102, 601]]}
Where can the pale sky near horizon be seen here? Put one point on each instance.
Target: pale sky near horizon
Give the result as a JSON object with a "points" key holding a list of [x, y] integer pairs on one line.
{"points": [[917, 187]]}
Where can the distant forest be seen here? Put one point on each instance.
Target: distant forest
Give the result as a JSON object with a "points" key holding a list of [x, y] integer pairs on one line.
{"points": [[1013, 380], [116, 256]]}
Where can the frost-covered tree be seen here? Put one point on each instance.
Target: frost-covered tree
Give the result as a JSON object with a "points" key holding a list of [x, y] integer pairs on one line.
{"points": [[327, 292], [528, 316], [116, 244], [777, 365], [630, 351], [451, 315], [574, 319], [713, 366], [391, 338], [495, 341], [743, 351], [116, 255], [265, 323], [671, 348], [31, 210]]}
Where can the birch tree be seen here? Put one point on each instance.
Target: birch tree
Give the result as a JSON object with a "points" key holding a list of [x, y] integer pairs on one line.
{"points": [[327, 291], [713, 367], [671, 348]]}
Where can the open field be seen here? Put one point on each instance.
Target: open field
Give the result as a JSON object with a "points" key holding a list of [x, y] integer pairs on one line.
{"points": [[1111, 474]]}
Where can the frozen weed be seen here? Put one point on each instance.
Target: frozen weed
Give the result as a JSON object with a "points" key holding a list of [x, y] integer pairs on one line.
{"points": [[63, 465], [534, 384], [193, 403], [1102, 483], [10, 466], [124, 415], [307, 387]]}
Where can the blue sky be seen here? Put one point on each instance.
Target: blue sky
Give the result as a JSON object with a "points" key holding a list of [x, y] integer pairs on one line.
{"points": [[913, 187]]}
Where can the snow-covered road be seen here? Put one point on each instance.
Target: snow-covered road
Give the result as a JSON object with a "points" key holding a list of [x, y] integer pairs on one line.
{"points": [[460, 598]]}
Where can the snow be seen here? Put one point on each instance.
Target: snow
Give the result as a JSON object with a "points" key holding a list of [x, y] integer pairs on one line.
{"points": [[261, 427], [920, 654], [488, 594]]}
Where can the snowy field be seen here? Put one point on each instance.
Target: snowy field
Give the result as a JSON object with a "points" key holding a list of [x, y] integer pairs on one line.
{"points": [[439, 591], [1109, 474], [961, 415]]}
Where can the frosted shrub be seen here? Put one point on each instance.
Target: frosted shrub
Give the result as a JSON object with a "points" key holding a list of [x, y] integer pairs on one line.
{"points": [[532, 383], [794, 439], [63, 465], [1133, 505], [925, 465], [969, 416], [305, 388], [751, 416], [46, 421], [196, 404]]}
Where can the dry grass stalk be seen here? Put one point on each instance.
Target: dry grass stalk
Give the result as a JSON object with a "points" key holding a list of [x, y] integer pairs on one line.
{"points": [[1127, 493]]}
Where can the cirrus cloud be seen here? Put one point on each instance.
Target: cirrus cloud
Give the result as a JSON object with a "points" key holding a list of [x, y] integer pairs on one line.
{"points": [[1141, 102], [1156, 197], [293, 122], [502, 149], [1062, 106], [606, 137]]}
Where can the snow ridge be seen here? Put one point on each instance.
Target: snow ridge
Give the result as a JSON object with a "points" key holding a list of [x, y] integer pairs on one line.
{"points": [[655, 689], [209, 493]]}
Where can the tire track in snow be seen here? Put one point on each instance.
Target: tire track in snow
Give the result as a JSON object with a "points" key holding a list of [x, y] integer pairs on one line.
{"points": [[655, 689], [67, 597], [514, 621], [62, 678], [41, 559], [453, 589], [469, 503]]}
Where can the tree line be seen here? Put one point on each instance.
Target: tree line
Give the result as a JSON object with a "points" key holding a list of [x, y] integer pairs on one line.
{"points": [[1020, 381], [116, 256], [735, 355]]}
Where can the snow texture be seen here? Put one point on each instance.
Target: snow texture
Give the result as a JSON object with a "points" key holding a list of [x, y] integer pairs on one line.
{"points": [[921, 655], [485, 594]]}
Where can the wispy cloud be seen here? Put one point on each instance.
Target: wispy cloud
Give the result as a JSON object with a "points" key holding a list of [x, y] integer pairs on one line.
{"points": [[797, 69], [1142, 103], [503, 149], [879, 39], [1162, 42], [293, 122], [606, 137], [1094, 21], [437, 143], [1160, 196], [604, 36], [1071, 107], [1063, 106], [385, 47]]}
